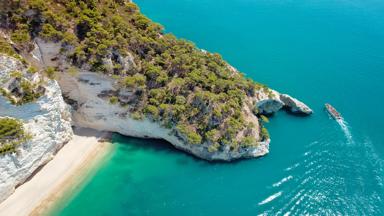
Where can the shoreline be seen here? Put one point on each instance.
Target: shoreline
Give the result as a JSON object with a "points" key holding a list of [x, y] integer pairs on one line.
{"points": [[61, 176]]}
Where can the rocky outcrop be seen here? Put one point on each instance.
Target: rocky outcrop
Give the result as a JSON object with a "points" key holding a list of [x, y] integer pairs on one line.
{"points": [[270, 101], [295, 105], [47, 119], [93, 111], [88, 93]]}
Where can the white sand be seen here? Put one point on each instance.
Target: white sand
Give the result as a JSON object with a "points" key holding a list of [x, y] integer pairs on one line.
{"points": [[35, 195]]}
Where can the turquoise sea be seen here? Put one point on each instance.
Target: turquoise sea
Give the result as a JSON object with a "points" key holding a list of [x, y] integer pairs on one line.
{"points": [[317, 50]]}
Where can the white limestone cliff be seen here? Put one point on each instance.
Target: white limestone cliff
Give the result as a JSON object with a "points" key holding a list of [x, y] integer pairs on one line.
{"points": [[47, 119], [272, 101], [92, 111]]}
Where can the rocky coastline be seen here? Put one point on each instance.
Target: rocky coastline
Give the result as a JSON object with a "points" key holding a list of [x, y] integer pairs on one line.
{"points": [[80, 100]]}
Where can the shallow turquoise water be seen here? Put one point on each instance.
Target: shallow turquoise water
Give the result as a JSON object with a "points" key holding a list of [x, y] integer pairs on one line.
{"points": [[319, 51]]}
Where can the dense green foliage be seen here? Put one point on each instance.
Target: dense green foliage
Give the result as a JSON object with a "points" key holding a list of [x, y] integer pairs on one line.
{"points": [[11, 135], [172, 81]]}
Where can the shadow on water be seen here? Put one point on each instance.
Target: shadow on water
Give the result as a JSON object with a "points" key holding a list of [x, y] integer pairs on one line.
{"points": [[133, 144]]}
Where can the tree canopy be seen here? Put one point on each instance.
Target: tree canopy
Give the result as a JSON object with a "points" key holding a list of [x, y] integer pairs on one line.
{"points": [[194, 92]]}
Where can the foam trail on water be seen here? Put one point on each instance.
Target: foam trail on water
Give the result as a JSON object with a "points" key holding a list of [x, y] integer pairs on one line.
{"points": [[270, 198], [344, 126], [277, 184]]}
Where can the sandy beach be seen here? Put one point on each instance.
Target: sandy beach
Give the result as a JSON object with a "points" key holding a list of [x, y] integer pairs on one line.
{"points": [[60, 174]]}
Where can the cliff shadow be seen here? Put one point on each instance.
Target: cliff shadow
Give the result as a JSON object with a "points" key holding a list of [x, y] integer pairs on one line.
{"points": [[134, 144]]}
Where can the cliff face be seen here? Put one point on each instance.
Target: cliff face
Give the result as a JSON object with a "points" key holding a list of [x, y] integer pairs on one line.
{"points": [[92, 111], [274, 101], [47, 119], [197, 100], [85, 93], [88, 93], [144, 82]]}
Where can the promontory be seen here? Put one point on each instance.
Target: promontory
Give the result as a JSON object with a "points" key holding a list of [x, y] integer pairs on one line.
{"points": [[104, 65]]}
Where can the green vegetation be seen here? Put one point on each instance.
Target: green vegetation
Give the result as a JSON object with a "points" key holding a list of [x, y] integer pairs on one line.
{"points": [[249, 141], [214, 147], [73, 71], [153, 111], [29, 92], [8, 95], [113, 100], [172, 81], [12, 134], [50, 72], [264, 118], [7, 49], [32, 70], [16, 74], [190, 133], [20, 36], [26, 93], [264, 133]]}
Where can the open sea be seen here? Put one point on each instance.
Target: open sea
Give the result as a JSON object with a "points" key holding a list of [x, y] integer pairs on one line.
{"points": [[316, 50]]}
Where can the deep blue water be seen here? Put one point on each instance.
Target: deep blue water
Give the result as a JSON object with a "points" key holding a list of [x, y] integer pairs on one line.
{"points": [[318, 51]]}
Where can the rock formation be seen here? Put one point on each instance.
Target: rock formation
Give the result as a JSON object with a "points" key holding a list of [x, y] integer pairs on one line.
{"points": [[47, 119]]}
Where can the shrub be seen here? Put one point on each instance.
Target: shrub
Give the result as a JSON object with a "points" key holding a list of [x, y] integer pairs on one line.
{"points": [[180, 100], [137, 115], [72, 71], [152, 110], [20, 36], [249, 141], [11, 135], [50, 72], [32, 70], [48, 32], [69, 38], [29, 93], [134, 81], [264, 133], [7, 49], [190, 133], [214, 147], [131, 7], [16, 74], [213, 135], [113, 100], [264, 118]]}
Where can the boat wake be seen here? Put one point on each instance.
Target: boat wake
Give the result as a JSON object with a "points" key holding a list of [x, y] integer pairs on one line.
{"points": [[277, 184], [270, 198], [347, 132], [337, 182]]}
